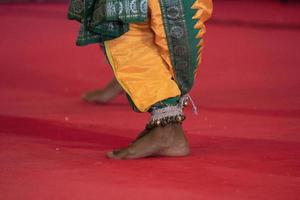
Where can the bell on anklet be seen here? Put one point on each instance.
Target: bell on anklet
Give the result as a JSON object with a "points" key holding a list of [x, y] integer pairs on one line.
{"points": [[157, 122], [178, 118], [165, 121]]}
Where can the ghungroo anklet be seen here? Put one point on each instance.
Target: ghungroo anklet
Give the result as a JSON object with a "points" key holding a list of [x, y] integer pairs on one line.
{"points": [[165, 121], [168, 114]]}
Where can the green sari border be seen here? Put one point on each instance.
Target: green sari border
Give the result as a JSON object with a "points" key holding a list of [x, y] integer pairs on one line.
{"points": [[181, 36]]}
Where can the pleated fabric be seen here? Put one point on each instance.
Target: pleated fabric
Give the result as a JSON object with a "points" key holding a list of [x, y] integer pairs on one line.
{"points": [[141, 58]]}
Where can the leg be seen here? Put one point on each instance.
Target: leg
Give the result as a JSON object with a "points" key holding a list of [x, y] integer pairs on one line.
{"points": [[149, 78], [139, 68], [102, 96], [149, 83]]}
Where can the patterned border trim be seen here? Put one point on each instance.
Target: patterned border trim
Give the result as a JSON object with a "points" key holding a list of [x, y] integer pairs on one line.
{"points": [[183, 55], [126, 10], [103, 20]]}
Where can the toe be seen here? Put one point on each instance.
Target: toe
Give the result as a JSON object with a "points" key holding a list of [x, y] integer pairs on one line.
{"points": [[84, 96], [87, 97], [110, 155], [118, 154], [113, 155]]}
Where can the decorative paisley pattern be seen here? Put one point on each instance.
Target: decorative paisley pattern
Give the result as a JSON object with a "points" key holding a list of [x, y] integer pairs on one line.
{"points": [[126, 10], [178, 41], [184, 27], [105, 19]]}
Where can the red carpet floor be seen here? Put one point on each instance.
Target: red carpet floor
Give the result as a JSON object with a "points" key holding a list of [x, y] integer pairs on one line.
{"points": [[245, 142]]}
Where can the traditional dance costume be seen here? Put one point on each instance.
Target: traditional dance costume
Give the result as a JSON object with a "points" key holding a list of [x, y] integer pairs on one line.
{"points": [[153, 46]]}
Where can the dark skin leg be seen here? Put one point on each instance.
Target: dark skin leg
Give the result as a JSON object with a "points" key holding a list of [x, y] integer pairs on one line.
{"points": [[141, 134], [102, 96], [160, 141]]}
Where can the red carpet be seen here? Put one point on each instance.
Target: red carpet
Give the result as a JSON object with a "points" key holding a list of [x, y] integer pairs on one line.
{"points": [[245, 142]]}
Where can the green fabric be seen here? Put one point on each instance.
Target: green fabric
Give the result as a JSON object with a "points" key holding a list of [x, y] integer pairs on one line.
{"points": [[183, 45], [103, 20], [167, 102], [192, 33], [173, 101], [182, 42], [162, 104]]}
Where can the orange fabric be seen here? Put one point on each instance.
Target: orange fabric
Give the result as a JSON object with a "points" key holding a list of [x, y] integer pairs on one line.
{"points": [[141, 59], [157, 27], [204, 11], [141, 62]]}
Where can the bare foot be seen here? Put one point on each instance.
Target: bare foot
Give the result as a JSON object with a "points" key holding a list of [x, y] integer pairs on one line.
{"points": [[160, 141], [102, 96], [140, 135]]}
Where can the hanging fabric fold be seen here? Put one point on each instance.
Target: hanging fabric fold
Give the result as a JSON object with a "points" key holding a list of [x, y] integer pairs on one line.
{"points": [[103, 20]]}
